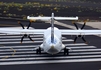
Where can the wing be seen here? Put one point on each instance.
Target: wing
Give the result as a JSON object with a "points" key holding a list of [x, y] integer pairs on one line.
{"points": [[80, 32], [19, 30]]}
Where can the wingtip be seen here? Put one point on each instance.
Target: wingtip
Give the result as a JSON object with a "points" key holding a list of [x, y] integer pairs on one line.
{"points": [[77, 17], [27, 17]]}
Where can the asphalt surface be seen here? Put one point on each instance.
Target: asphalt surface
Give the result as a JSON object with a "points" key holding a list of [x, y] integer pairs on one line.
{"points": [[16, 56]]}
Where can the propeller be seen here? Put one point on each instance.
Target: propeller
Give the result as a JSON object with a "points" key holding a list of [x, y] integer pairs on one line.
{"points": [[80, 36], [25, 35]]}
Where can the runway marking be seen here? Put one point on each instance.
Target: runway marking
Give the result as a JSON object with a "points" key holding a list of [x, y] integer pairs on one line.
{"points": [[71, 53], [50, 61], [80, 52], [28, 39], [77, 44], [85, 53], [47, 58], [25, 46], [64, 25], [19, 36], [32, 56], [20, 39], [29, 42], [34, 37], [86, 50], [5, 57], [32, 48], [83, 47]]}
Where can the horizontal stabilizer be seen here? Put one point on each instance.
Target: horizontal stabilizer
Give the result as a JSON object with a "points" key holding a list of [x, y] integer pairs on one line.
{"points": [[49, 18]]}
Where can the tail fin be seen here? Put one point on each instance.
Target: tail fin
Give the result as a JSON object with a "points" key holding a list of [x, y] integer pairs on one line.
{"points": [[52, 18], [52, 28]]}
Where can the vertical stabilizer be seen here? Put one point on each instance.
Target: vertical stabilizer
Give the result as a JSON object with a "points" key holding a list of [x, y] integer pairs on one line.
{"points": [[52, 28]]}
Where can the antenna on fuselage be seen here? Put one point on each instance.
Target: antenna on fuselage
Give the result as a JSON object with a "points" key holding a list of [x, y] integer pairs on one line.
{"points": [[52, 28]]}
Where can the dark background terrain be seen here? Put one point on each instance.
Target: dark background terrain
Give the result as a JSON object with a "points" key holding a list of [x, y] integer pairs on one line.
{"points": [[87, 9]]}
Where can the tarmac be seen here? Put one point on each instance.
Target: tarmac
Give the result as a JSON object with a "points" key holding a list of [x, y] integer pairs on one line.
{"points": [[16, 56]]}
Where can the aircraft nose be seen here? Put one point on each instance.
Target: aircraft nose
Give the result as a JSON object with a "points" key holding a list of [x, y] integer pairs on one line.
{"points": [[52, 47]]}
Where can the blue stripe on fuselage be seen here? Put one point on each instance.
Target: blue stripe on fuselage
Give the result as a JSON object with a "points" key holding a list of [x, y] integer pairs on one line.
{"points": [[54, 41]]}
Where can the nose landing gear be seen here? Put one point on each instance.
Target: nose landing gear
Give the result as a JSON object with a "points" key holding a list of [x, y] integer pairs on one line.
{"points": [[66, 51], [38, 51]]}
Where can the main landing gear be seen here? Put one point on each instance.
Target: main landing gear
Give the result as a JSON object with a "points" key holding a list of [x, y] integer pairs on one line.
{"points": [[38, 51], [66, 51]]}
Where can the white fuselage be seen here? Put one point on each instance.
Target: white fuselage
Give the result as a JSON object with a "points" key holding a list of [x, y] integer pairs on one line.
{"points": [[52, 47]]}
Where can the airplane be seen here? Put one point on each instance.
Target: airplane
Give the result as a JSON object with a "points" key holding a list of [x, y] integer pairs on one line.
{"points": [[52, 36]]}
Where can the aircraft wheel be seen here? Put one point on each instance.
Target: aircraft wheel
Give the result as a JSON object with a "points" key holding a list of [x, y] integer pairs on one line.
{"points": [[66, 51], [38, 51]]}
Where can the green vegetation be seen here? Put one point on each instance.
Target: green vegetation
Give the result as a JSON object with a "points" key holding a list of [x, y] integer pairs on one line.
{"points": [[46, 7]]}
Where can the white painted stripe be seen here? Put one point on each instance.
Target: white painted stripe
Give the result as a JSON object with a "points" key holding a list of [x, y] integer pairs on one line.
{"points": [[50, 61], [71, 53], [82, 47], [67, 40], [33, 48], [37, 35], [8, 34], [25, 46], [18, 36], [77, 44], [85, 50], [28, 39], [23, 55], [63, 57], [82, 53], [20, 39], [56, 57], [21, 35], [28, 42], [65, 25], [19, 42]]}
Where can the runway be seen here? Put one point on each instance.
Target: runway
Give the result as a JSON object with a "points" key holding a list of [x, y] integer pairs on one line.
{"points": [[12, 53]]}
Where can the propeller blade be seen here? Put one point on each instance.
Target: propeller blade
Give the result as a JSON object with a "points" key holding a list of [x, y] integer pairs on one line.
{"points": [[83, 25], [25, 35], [22, 38], [29, 24], [84, 40], [75, 25], [30, 38], [21, 24], [75, 39]]}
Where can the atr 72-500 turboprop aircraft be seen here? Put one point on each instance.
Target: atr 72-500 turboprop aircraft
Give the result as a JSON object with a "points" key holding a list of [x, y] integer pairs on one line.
{"points": [[52, 36]]}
